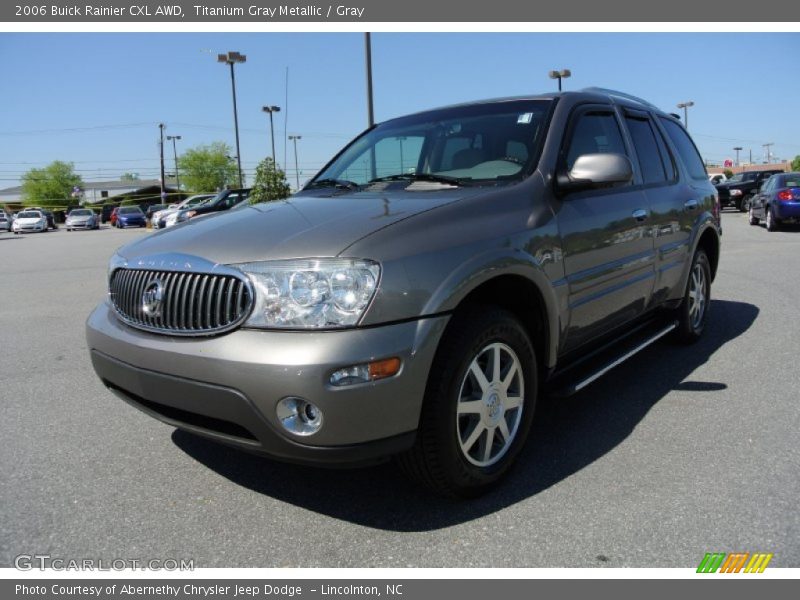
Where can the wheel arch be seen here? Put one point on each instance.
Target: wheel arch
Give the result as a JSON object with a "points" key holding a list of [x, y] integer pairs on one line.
{"points": [[514, 282]]}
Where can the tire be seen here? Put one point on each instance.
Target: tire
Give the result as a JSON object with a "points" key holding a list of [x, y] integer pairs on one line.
{"points": [[753, 219], [743, 204], [450, 453], [696, 297], [772, 223]]}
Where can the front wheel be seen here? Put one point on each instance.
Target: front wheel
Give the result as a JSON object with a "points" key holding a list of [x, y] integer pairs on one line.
{"points": [[743, 204], [693, 311], [753, 218], [478, 404]]}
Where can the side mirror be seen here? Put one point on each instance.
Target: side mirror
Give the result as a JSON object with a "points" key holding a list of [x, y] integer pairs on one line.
{"points": [[596, 171]]}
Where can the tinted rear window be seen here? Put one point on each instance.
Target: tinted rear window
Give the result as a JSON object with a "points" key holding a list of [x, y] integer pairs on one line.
{"points": [[644, 141], [686, 149]]}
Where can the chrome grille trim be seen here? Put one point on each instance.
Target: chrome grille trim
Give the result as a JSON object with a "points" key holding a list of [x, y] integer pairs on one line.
{"points": [[193, 303]]}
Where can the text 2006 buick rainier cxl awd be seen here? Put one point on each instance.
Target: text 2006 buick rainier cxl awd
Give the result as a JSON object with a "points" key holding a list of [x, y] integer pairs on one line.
{"points": [[414, 298]]}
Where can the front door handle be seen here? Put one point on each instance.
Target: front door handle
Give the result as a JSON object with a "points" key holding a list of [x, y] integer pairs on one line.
{"points": [[690, 204], [640, 215]]}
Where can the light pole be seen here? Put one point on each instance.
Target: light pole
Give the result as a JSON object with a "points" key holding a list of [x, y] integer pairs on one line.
{"points": [[175, 154], [161, 127], [685, 106], [294, 139], [737, 149], [231, 58], [368, 57], [401, 139], [562, 74], [270, 110], [769, 154]]}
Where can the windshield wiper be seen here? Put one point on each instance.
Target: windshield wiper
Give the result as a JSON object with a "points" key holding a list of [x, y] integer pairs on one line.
{"points": [[422, 177], [339, 183]]}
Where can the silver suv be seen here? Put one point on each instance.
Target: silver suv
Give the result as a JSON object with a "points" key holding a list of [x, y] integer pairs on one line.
{"points": [[419, 294]]}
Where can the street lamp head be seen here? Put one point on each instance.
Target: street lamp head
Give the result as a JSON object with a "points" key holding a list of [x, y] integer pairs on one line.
{"points": [[738, 148], [554, 74], [563, 73], [566, 73], [295, 137], [271, 109], [231, 57], [686, 104]]}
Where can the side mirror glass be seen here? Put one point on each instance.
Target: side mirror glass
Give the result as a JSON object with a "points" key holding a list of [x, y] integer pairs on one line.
{"points": [[596, 171]]}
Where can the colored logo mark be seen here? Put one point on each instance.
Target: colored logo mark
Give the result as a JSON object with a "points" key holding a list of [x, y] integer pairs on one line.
{"points": [[734, 563]]}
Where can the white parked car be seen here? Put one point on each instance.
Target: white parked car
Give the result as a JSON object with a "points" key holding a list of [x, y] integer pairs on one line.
{"points": [[28, 221], [717, 178], [82, 218], [161, 218]]}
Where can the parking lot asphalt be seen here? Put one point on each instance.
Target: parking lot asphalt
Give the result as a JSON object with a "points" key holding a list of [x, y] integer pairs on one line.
{"points": [[678, 452]]}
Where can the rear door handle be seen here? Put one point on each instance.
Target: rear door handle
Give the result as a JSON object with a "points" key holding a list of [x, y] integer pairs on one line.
{"points": [[639, 215], [690, 204]]}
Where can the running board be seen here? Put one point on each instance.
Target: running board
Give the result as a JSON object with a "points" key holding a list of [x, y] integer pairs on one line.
{"points": [[572, 380]]}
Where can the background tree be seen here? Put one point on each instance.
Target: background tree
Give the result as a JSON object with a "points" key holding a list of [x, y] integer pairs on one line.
{"points": [[129, 177], [728, 173], [270, 183], [208, 168], [796, 163], [51, 185]]}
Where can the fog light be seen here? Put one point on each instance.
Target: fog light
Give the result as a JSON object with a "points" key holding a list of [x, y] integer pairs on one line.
{"points": [[363, 373], [299, 416]]}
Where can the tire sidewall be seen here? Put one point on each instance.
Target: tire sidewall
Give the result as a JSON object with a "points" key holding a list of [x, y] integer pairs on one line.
{"points": [[687, 331]]}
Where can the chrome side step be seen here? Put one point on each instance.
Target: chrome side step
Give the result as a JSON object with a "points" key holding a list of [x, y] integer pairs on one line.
{"points": [[588, 376]]}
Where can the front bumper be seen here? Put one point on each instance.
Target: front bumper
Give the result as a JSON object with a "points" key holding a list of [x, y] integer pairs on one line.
{"points": [[227, 387], [80, 225]]}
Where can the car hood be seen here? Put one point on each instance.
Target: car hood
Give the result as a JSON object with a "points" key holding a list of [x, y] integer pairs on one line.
{"points": [[306, 225]]}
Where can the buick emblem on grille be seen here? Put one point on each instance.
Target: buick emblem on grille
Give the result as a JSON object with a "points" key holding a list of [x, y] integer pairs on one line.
{"points": [[152, 297]]}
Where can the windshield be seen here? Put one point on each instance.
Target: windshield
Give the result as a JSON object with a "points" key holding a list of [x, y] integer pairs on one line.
{"points": [[195, 201], [739, 177], [129, 210], [80, 213], [475, 143], [29, 214]]}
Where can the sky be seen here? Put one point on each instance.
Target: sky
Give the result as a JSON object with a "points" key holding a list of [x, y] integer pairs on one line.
{"points": [[96, 99]]}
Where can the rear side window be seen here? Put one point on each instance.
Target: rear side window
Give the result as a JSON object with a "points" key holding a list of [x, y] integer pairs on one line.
{"points": [[651, 162], [595, 132], [686, 149]]}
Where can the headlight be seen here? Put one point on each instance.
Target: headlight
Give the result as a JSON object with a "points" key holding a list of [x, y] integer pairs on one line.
{"points": [[312, 293], [736, 192]]}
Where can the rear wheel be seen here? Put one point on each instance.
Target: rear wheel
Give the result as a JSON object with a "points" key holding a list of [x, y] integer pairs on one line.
{"points": [[753, 218], [693, 311], [772, 223], [478, 405]]}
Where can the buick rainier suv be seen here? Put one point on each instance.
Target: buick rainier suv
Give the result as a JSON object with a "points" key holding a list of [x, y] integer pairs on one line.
{"points": [[422, 292]]}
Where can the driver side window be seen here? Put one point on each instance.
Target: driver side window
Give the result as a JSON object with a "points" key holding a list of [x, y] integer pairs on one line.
{"points": [[594, 132]]}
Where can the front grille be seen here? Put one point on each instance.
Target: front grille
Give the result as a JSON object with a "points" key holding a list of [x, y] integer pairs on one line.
{"points": [[187, 303]]}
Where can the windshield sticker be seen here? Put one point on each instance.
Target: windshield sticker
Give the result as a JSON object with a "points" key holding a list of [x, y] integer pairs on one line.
{"points": [[525, 118]]}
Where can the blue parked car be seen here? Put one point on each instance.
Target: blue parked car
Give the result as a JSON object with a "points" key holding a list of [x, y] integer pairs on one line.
{"points": [[777, 201], [130, 216]]}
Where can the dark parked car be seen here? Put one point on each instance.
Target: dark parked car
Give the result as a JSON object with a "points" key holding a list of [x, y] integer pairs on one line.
{"points": [[130, 216], [739, 189], [413, 300], [224, 200], [777, 201]]}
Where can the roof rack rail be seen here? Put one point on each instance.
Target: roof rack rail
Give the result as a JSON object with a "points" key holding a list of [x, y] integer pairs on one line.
{"points": [[609, 92]]}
